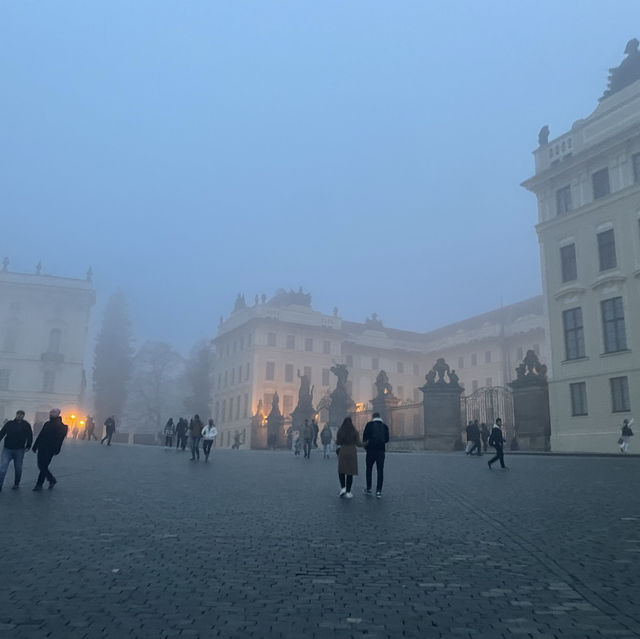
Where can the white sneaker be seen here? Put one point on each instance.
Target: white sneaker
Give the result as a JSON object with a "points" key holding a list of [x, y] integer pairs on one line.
{"points": [[343, 492], [349, 495]]}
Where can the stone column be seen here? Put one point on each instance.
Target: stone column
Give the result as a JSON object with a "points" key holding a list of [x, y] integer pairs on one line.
{"points": [[442, 414]]}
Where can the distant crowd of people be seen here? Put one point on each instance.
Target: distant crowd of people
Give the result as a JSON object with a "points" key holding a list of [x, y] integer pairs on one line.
{"points": [[193, 430]]}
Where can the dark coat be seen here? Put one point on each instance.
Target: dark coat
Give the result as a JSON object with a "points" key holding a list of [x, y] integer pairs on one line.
{"points": [[348, 441], [51, 436]]}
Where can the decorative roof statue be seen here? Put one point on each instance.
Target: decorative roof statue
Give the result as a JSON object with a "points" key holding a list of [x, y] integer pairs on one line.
{"points": [[627, 72], [90, 275], [436, 376], [543, 136], [287, 298], [530, 371], [240, 303], [374, 322], [38, 268], [383, 385]]}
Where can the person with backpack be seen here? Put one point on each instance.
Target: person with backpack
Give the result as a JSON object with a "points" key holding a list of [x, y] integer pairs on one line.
{"points": [[374, 439], [325, 438], [625, 436], [496, 439]]}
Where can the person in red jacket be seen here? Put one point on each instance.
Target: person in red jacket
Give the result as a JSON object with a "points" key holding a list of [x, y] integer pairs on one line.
{"points": [[47, 445]]}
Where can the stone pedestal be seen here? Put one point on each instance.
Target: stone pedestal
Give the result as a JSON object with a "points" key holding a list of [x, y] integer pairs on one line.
{"points": [[382, 404], [442, 417], [532, 421]]}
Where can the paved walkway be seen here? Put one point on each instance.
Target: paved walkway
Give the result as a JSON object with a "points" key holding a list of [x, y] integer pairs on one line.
{"points": [[140, 542]]}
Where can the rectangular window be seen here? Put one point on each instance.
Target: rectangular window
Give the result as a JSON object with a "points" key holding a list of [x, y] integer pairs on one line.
{"points": [[226, 378], [416, 370], [287, 405], [267, 402], [245, 409], [233, 376], [563, 200], [474, 359], [568, 263], [219, 380], [615, 336], [578, 399], [607, 250], [238, 398], [308, 345], [620, 395], [246, 372], [4, 378], [487, 357], [488, 382], [270, 373], [271, 339], [636, 168], [307, 372], [600, 182], [325, 377], [400, 367], [217, 413], [350, 360], [460, 363], [375, 363], [326, 347], [224, 410], [288, 372], [291, 342], [573, 333]]}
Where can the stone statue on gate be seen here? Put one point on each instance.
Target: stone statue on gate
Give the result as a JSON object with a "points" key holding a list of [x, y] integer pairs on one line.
{"points": [[382, 384]]}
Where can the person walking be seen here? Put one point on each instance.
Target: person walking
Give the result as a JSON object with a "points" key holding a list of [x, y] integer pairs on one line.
{"points": [[195, 430], [307, 438], [89, 428], [181, 434], [169, 432], [18, 437], [374, 439], [475, 438], [484, 434], [325, 438], [625, 436], [110, 429], [47, 445], [347, 440], [209, 433], [496, 439]]}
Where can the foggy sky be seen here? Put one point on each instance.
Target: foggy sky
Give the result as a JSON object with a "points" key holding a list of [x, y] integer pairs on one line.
{"points": [[370, 152]]}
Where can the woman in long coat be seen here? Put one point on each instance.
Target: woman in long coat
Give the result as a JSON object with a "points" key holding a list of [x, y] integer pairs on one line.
{"points": [[347, 439]]}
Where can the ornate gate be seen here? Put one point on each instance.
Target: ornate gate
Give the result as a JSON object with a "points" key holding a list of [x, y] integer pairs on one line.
{"points": [[486, 405]]}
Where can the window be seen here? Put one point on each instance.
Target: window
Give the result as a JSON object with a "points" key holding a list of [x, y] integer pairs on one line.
{"points": [[416, 370], [288, 372], [307, 372], [267, 402], [349, 360], [308, 345], [224, 410], [600, 182], [375, 363], [474, 359], [474, 385], [219, 380], [235, 346], [401, 392], [488, 382], [54, 340], [4, 378], [607, 250], [238, 407], [568, 263], [233, 376], [487, 357], [10, 340], [620, 395], [326, 347], [615, 337], [217, 413], [563, 200], [226, 378], [460, 363], [291, 342], [287, 405], [636, 168], [325, 377], [246, 372], [400, 367], [270, 373], [245, 409], [573, 333], [578, 399], [271, 339]]}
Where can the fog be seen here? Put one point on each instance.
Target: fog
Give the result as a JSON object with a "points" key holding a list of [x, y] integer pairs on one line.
{"points": [[369, 152]]}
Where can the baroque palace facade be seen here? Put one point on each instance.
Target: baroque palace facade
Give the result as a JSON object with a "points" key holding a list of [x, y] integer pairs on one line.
{"points": [[587, 184], [43, 333], [261, 349]]}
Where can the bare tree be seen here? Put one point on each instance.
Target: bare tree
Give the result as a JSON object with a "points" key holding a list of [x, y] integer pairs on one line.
{"points": [[198, 380]]}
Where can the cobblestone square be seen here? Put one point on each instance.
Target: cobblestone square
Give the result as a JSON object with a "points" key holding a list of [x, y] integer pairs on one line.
{"points": [[139, 541]]}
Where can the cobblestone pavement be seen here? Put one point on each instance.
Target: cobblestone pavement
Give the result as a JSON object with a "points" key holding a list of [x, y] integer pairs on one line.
{"points": [[141, 542]]}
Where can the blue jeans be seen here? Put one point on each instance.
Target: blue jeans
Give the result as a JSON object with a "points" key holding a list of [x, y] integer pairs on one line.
{"points": [[195, 447], [17, 456]]}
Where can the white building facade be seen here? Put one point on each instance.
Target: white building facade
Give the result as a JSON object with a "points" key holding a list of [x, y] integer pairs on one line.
{"points": [[587, 184], [43, 334], [260, 350]]}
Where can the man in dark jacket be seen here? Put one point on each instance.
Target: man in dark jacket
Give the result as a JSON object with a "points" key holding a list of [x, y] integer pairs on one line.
{"points": [[496, 439], [17, 439], [475, 437], [110, 428], [48, 444], [374, 438]]}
